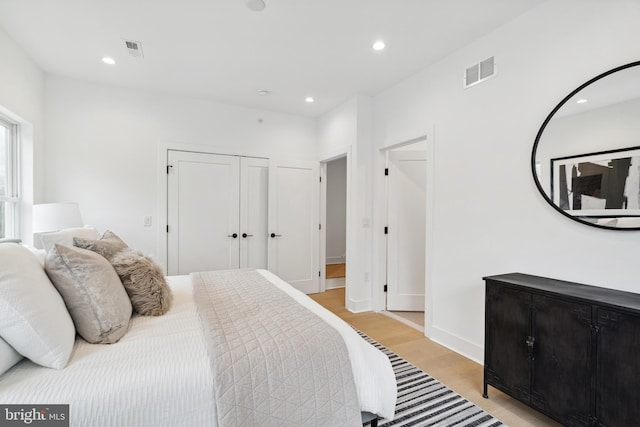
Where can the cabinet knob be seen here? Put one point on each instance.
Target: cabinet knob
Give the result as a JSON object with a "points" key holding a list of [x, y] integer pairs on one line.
{"points": [[234, 235], [275, 235], [245, 235], [530, 341]]}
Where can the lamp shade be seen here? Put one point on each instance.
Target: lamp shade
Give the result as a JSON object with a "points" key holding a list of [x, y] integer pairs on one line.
{"points": [[56, 216]]}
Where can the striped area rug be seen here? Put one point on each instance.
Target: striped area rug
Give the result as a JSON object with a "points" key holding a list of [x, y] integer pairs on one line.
{"points": [[423, 401]]}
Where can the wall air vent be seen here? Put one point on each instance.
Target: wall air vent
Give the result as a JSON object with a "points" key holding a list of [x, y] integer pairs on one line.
{"points": [[479, 72], [134, 48]]}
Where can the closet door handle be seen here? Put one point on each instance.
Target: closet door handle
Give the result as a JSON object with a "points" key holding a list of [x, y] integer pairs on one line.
{"points": [[275, 235], [245, 235], [234, 235]]}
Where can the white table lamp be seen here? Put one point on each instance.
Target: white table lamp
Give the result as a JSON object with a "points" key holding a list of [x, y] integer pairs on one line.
{"points": [[54, 217]]}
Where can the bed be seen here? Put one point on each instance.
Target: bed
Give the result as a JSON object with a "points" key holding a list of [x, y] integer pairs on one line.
{"points": [[163, 371]]}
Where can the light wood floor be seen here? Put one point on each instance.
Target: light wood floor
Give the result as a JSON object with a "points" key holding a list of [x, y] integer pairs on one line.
{"points": [[335, 271], [457, 372], [416, 317]]}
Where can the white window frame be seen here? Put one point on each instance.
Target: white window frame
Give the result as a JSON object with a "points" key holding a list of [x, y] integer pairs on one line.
{"points": [[12, 199]]}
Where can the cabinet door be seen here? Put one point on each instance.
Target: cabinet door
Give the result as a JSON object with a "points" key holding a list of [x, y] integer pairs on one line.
{"points": [[507, 323], [618, 375], [562, 360]]}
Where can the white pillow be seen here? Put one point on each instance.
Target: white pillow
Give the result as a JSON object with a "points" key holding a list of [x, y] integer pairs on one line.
{"points": [[40, 254], [8, 356], [33, 317], [65, 237]]}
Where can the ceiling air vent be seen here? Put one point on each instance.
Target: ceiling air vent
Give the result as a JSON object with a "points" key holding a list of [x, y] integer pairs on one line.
{"points": [[479, 72], [134, 48]]}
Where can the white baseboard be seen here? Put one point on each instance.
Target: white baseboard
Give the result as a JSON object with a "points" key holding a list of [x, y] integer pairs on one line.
{"points": [[335, 260], [336, 283], [459, 345], [403, 320], [358, 306]]}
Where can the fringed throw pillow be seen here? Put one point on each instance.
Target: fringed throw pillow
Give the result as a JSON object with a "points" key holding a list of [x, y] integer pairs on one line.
{"points": [[144, 281]]}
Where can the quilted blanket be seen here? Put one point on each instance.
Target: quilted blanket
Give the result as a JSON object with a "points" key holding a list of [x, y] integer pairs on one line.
{"points": [[274, 362]]}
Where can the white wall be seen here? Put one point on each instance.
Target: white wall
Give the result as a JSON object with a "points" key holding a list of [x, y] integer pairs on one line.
{"points": [[103, 147], [488, 217], [22, 99], [336, 247], [348, 129]]}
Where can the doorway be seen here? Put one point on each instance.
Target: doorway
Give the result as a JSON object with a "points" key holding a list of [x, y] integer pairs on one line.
{"points": [[336, 223], [406, 179]]}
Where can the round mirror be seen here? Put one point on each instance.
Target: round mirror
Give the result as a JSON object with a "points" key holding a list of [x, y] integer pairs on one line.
{"points": [[586, 156]]}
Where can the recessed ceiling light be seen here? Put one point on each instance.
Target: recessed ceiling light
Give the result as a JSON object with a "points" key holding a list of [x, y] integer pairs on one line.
{"points": [[264, 93], [582, 101], [309, 99], [109, 60], [379, 45]]}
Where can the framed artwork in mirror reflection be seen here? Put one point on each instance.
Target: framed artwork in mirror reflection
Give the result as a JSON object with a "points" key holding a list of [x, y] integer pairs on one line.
{"points": [[598, 185]]}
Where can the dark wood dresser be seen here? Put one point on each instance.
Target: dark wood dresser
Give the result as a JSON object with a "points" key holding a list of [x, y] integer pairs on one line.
{"points": [[569, 350]]}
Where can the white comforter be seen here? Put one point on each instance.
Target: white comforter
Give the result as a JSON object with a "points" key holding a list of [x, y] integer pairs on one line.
{"points": [[158, 374], [375, 380]]}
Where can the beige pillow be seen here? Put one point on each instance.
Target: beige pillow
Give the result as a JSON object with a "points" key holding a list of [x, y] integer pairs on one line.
{"points": [[92, 291], [144, 281], [108, 245]]}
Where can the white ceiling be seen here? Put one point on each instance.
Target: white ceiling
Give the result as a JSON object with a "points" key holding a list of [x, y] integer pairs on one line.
{"points": [[220, 50]]}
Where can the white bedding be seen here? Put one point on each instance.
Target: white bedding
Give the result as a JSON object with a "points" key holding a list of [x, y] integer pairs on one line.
{"points": [[158, 374], [375, 380]]}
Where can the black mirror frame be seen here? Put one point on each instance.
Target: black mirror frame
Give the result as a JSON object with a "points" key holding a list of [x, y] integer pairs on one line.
{"points": [[539, 135]]}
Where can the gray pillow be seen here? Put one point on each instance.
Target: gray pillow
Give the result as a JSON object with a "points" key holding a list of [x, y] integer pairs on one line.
{"points": [[144, 281], [92, 291], [107, 246]]}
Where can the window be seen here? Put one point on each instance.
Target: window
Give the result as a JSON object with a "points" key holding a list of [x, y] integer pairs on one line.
{"points": [[8, 178]]}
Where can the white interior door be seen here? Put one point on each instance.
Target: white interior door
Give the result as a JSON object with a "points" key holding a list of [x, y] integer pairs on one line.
{"points": [[203, 212], [254, 210], [293, 223], [406, 240]]}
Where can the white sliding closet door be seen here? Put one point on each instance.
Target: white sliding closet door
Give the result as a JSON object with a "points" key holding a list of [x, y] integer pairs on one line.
{"points": [[217, 212], [203, 212], [406, 204], [294, 223], [254, 211]]}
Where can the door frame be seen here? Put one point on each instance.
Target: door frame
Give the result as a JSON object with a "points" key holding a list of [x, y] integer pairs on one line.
{"points": [[323, 221], [380, 239]]}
